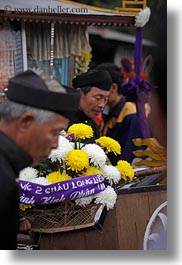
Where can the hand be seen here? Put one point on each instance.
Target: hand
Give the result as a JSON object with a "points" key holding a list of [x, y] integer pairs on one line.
{"points": [[24, 225]]}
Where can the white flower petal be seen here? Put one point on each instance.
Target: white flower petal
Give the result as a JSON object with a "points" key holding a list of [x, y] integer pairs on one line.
{"points": [[142, 18], [28, 173], [112, 174], [41, 181], [64, 146], [84, 201], [107, 198], [96, 154]]}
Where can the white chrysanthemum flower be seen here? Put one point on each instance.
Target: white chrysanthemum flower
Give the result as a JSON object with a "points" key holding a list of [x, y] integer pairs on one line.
{"points": [[41, 181], [64, 147], [107, 198], [142, 18], [96, 154], [84, 201], [55, 155], [28, 174], [63, 133], [112, 174], [62, 141]]}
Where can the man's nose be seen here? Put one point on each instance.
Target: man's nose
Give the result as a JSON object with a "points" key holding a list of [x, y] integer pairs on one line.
{"points": [[55, 144], [102, 103]]}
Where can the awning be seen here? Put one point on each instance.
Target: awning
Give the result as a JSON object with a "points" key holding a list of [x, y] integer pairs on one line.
{"points": [[62, 11]]}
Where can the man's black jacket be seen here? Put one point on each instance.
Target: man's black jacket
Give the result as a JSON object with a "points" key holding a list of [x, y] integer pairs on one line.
{"points": [[12, 160]]}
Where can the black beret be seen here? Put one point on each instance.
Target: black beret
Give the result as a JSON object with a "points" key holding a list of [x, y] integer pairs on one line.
{"points": [[94, 78], [28, 88]]}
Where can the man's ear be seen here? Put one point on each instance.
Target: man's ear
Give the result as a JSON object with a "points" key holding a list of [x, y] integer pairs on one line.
{"points": [[78, 89], [114, 87], [25, 120]]}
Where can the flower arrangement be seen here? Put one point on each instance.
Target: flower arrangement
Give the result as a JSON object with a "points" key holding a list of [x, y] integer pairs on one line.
{"points": [[78, 164]]}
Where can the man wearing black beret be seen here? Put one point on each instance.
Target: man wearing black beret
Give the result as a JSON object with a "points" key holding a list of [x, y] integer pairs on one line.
{"points": [[94, 86], [31, 118]]}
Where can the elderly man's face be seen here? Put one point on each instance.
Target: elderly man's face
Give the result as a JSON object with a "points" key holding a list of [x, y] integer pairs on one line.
{"points": [[39, 139], [94, 102]]}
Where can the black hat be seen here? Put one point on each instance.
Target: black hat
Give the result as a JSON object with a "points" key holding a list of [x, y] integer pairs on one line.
{"points": [[114, 71], [28, 88], [95, 78]]}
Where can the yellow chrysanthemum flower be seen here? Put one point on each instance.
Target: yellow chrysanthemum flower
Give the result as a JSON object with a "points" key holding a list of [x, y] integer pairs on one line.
{"points": [[77, 160], [126, 170], [81, 131], [56, 176], [109, 144], [86, 55], [92, 171], [23, 207]]}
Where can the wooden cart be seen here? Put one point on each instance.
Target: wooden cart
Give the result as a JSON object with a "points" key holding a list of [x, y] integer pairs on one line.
{"points": [[123, 227]]}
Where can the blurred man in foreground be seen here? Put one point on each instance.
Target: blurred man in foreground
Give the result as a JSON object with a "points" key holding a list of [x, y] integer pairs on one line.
{"points": [[35, 111]]}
